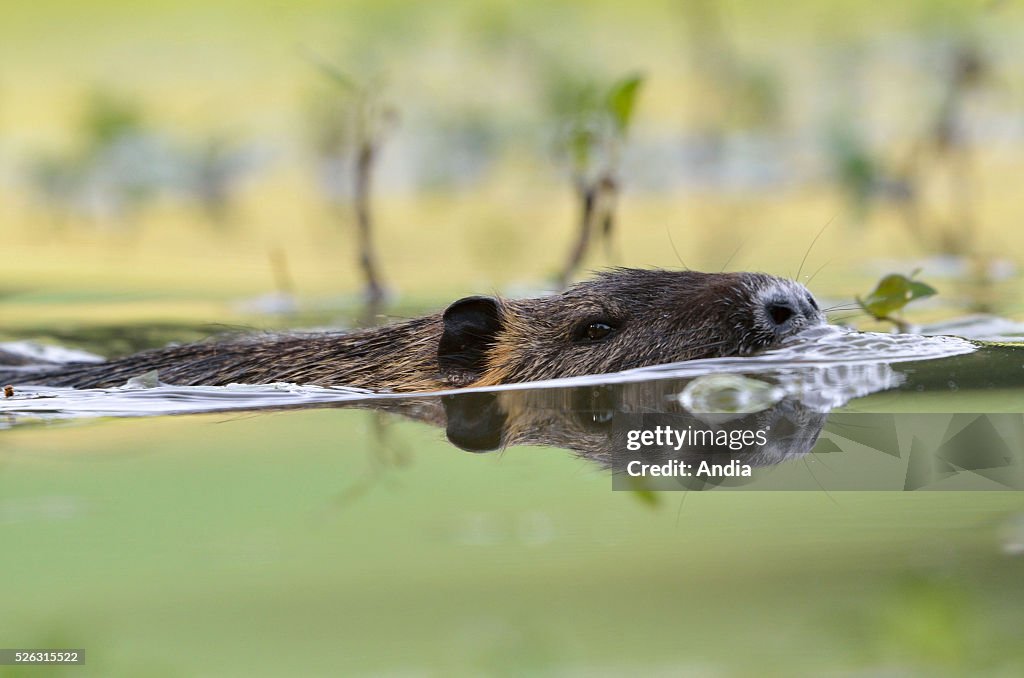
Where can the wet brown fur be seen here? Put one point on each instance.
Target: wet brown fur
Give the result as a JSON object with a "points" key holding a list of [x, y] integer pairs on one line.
{"points": [[401, 355], [658, 316]]}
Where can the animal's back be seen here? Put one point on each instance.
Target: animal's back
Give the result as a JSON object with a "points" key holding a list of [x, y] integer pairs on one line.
{"points": [[621, 319]]}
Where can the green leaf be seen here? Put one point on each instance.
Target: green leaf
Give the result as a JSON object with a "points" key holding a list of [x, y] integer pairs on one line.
{"points": [[892, 293], [580, 142], [647, 498], [110, 116], [640, 491], [621, 101]]}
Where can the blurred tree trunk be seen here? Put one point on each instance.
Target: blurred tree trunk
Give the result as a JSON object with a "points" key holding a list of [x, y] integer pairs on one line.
{"points": [[588, 202], [374, 288], [597, 209]]}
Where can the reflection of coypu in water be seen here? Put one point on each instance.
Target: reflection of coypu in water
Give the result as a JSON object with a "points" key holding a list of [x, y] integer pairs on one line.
{"points": [[595, 422], [621, 319]]}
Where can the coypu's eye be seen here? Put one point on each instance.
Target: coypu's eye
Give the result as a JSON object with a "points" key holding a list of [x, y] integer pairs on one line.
{"points": [[813, 302], [594, 330]]}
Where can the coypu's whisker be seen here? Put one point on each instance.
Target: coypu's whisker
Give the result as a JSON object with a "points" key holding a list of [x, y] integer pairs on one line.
{"points": [[679, 511], [818, 482], [672, 242], [819, 270], [811, 246], [734, 253], [846, 317]]}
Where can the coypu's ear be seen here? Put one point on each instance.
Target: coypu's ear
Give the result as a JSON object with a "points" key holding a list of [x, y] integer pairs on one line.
{"points": [[470, 328], [476, 421]]}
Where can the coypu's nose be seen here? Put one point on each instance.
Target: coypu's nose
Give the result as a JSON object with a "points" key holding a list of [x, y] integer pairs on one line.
{"points": [[791, 313], [780, 312]]}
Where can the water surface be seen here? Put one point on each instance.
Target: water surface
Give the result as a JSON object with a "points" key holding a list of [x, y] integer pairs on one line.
{"points": [[281, 529]]}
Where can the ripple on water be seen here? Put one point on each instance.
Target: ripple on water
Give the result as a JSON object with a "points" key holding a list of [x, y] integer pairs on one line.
{"points": [[823, 367]]}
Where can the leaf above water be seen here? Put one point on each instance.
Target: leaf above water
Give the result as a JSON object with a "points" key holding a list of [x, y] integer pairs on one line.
{"points": [[892, 293], [622, 101]]}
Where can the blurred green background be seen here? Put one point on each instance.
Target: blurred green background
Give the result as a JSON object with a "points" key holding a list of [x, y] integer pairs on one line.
{"points": [[166, 161], [169, 166]]}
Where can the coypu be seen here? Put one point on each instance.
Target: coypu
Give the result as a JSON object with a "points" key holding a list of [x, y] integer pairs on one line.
{"points": [[592, 421], [620, 319]]}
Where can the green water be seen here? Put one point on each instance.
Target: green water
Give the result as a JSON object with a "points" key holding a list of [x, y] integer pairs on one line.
{"points": [[341, 542]]}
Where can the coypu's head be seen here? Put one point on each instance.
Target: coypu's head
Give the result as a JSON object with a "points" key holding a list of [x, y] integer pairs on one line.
{"points": [[622, 319]]}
